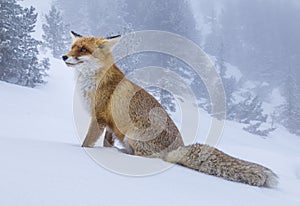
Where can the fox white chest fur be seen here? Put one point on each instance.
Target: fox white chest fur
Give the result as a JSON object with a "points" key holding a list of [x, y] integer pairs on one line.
{"points": [[85, 75], [86, 84]]}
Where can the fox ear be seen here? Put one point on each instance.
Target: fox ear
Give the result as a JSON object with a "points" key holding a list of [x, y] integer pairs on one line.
{"points": [[110, 41], [113, 37], [75, 36]]}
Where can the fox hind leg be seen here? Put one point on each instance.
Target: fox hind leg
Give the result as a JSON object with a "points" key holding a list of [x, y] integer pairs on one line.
{"points": [[111, 140]]}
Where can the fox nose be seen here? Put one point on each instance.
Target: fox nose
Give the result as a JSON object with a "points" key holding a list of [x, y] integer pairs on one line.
{"points": [[65, 57]]}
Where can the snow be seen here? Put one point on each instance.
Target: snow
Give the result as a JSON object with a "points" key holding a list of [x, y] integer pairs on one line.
{"points": [[42, 162], [233, 71]]}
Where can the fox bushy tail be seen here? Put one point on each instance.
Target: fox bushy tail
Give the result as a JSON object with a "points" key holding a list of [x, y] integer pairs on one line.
{"points": [[212, 161]]}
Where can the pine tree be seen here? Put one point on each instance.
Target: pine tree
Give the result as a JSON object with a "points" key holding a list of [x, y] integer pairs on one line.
{"points": [[290, 110], [254, 128], [214, 42], [41, 73], [229, 82], [29, 48], [249, 110], [55, 36], [10, 13], [18, 56]]}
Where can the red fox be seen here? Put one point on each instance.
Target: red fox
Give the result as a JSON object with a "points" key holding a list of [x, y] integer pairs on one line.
{"points": [[126, 111]]}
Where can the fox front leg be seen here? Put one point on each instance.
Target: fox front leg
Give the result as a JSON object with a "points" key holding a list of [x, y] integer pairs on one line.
{"points": [[94, 133], [108, 139]]}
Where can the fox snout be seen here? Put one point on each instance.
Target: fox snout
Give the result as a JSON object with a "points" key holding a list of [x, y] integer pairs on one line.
{"points": [[74, 61], [65, 57]]}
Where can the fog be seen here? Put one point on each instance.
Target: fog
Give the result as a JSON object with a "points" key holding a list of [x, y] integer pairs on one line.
{"points": [[258, 39]]}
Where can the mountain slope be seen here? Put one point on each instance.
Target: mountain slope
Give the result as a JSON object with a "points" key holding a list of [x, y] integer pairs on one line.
{"points": [[42, 161]]}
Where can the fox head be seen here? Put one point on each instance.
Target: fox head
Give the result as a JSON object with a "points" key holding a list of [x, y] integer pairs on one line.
{"points": [[90, 53]]}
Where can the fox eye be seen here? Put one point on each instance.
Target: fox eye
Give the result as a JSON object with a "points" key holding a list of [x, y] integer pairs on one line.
{"points": [[83, 50]]}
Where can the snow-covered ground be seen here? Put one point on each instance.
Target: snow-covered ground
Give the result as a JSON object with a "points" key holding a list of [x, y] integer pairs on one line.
{"points": [[42, 162]]}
